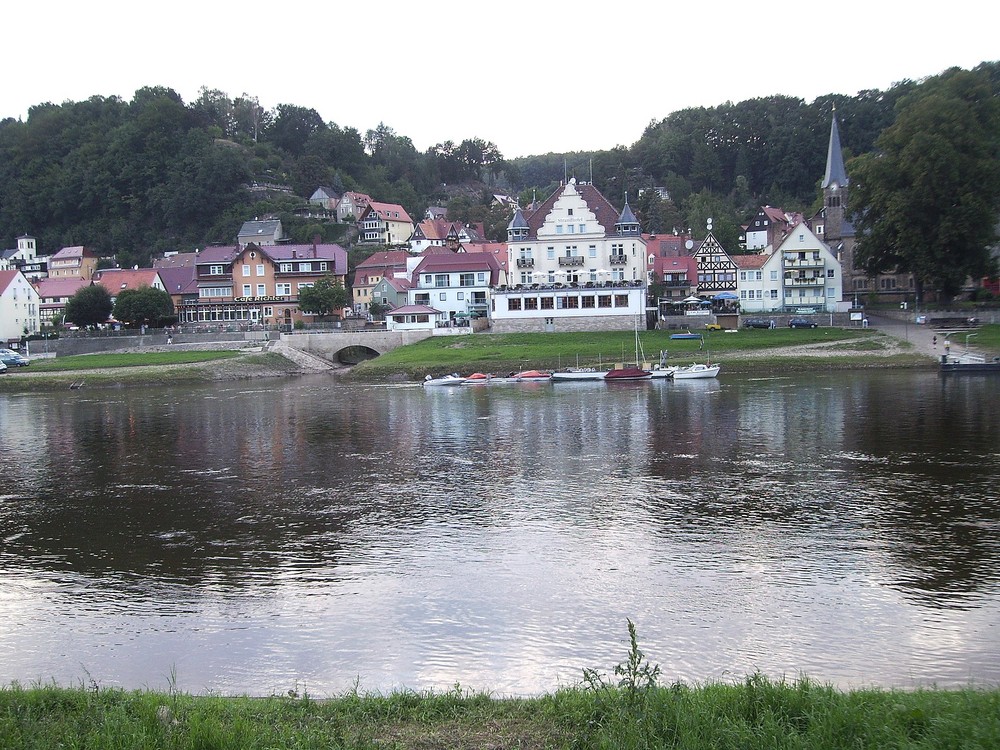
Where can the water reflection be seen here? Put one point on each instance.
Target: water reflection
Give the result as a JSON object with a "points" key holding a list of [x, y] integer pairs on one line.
{"points": [[251, 538]]}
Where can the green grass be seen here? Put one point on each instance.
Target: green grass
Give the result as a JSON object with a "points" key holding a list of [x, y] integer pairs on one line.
{"points": [[753, 713], [498, 353], [132, 359]]}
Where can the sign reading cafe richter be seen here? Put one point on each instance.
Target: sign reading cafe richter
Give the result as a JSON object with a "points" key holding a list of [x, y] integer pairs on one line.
{"points": [[261, 299]]}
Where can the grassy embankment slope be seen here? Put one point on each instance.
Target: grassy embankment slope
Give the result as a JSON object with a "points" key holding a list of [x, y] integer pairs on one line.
{"points": [[143, 368], [744, 351]]}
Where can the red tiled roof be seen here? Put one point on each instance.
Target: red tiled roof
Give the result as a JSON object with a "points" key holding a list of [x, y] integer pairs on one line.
{"points": [[750, 262], [116, 279], [55, 288], [386, 211], [389, 259]]}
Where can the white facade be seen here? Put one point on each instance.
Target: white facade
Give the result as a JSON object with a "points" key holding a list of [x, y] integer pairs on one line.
{"points": [[801, 276], [572, 246], [19, 306], [575, 264], [455, 293], [812, 276], [761, 289], [562, 308]]}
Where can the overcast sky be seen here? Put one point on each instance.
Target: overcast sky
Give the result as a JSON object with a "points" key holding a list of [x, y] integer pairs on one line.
{"points": [[532, 77]]}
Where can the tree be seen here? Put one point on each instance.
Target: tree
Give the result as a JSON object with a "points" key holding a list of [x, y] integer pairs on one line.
{"points": [[90, 306], [927, 201], [324, 297], [377, 309], [144, 305]]}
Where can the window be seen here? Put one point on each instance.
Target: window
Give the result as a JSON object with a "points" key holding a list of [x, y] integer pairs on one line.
{"points": [[481, 277], [830, 291], [247, 290], [604, 300], [260, 269], [743, 275], [571, 229], [588, 301], [460, 295], [303, 268], [774, 275], [547, 303], [774, 294], [569, 211], [531, 303], [621, 300], [583, 228], [441, 280], [246, 269], [760, 276], [550, 253], [261, 290], [216, 270], [428, 279], [466, 279], [525, 277], [592, 251], [443, 296], [550, 321], [829, 273], [283, 268], [513, 303], [743, 293], [559, 229], [268, 312]]}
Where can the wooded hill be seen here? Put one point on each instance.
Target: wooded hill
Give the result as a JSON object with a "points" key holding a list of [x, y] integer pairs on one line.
{"points": [[133, 179]]}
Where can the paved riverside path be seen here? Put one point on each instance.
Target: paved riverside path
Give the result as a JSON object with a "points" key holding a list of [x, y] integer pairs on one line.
{"points": [[921, 336]]}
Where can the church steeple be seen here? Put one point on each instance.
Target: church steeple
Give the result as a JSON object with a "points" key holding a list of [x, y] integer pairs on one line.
{"points": [[835, 183], [836, 175]]}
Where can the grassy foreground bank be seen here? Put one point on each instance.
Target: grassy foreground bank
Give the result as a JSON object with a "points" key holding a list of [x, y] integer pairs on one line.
{"points": [[756, 713]]}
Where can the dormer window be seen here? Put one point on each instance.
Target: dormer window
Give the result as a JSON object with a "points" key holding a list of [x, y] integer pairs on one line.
{"points": [[569, 211]]}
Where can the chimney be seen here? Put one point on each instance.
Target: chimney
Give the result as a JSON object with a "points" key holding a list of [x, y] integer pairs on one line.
{"points": [[295, 253]]}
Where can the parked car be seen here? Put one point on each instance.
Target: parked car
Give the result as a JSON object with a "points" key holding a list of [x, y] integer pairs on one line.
{"points": [[713, 327], [10, 358], [756, 323], [3, 368], [801, 323]]}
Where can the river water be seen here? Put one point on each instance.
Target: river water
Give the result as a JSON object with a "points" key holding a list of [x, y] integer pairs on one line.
{"points": [[261, 537]]}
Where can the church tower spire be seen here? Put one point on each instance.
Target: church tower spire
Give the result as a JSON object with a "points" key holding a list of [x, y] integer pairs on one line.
{"points": [[835, 183]]}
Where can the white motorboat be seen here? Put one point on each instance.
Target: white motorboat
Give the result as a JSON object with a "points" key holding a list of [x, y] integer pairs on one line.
{"points": [[452, 379], [578, 374], [696, 371]]}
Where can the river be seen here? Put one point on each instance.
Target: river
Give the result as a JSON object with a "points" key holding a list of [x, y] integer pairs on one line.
{"points": [[310, 535]]}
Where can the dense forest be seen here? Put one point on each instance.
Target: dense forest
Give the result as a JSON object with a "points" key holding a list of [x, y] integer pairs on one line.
{"points": [[133, 179]]}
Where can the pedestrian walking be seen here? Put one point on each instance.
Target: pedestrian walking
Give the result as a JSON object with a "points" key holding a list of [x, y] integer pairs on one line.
{"points": [[935, 341]]}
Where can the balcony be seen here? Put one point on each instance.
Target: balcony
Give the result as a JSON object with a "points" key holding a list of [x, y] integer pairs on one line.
{"points": [[571, 260], [804, 280], [793, 261], [525, 262], [619, 260]]}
